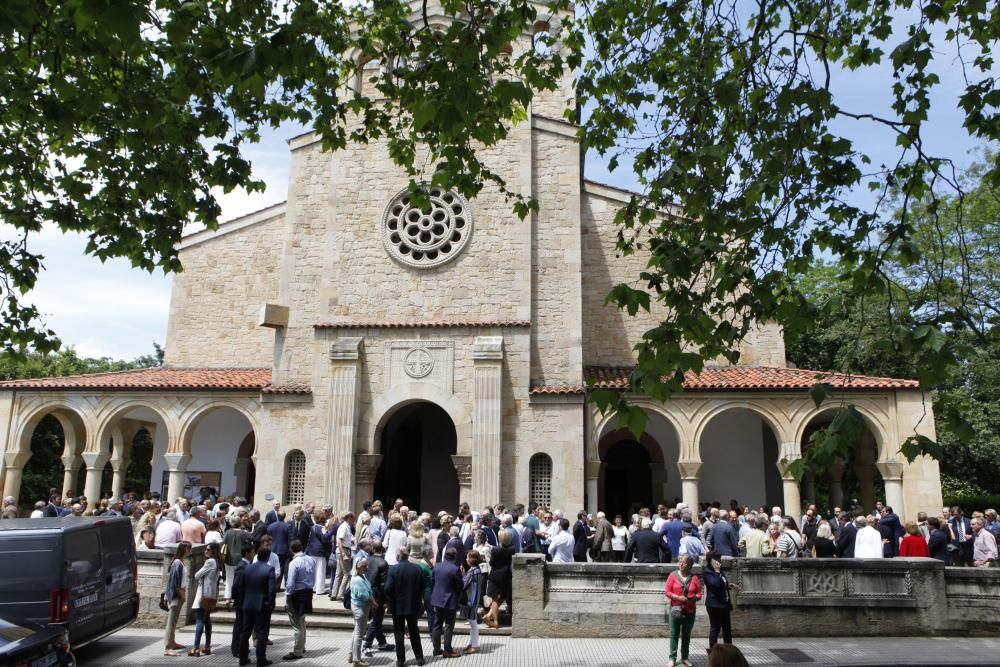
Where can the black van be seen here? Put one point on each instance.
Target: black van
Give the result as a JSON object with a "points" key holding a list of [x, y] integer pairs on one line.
{"points": [[76, 572]]}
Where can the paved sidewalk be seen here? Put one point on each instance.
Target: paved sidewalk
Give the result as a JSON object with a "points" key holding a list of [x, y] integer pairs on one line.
{"points": [[330, 647]]}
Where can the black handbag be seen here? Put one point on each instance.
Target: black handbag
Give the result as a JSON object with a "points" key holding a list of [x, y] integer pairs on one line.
{"points": [[164, 605]]}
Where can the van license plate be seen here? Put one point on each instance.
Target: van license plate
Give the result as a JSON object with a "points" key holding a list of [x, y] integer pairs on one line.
{"points": [[85, 600], [45, 660]]}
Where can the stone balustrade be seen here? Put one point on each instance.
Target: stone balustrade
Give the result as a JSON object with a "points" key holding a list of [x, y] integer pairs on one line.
{"points": [[897, 597]]}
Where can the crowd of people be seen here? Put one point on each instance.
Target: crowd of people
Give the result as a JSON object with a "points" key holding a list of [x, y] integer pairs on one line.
{"points": [[455, 568]]}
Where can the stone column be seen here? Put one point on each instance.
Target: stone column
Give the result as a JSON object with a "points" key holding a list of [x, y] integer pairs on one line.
{"points": [[95, 462], [345, 377], [487, 415], [892, 475], [837, 483], [365, 469], [791, 497], [463, 469], [689, 485], [14, 464], [71, 464], [176, 470], [592, 473]]}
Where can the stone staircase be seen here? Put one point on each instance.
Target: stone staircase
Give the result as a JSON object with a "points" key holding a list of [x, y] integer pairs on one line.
{"points": [[333, 616]]}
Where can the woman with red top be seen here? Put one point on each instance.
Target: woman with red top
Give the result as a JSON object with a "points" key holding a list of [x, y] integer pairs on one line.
{"points": [[683, 590], [913, 545]]}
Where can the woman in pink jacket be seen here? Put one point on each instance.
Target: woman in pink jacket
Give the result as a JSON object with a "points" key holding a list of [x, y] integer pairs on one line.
{"points": [[683, 589]]}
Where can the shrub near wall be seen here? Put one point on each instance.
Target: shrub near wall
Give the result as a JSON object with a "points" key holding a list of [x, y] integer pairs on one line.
{"points": [[973, 503]]}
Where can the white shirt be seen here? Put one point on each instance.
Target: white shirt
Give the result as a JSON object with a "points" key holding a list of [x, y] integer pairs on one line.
{"points": [[168, 532], [868, 543], [394, 539], [618, 542], [345, 536], [561, 547], [37, 514]]}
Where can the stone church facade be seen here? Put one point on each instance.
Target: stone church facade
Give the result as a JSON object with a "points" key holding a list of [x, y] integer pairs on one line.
{"points": [[344, 345]]}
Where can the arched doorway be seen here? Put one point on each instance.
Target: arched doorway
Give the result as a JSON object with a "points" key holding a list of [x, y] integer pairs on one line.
{"points": [[739, 454], [843, 484], [628, 480], [44, 470], [638, 472], [417, 444]]}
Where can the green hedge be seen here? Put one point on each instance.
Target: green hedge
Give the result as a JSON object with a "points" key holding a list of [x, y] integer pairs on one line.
{"points": [[973, 503]]}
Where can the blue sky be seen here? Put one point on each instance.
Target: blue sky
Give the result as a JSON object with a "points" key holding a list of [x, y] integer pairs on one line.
{"points": [[113, 310]]}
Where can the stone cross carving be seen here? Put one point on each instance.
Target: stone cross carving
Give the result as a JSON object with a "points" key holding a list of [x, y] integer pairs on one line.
{"points": [[418, 363]]}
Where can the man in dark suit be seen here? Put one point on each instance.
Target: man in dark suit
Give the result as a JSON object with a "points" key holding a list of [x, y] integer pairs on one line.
{"points": [[299, 527], [725, 540], [281, 537], [238, 588], [259, 529], [272, 516], [845, 540], [258, 591], [646, 546], [964, 538], [404, 590], [894, 531], [445, 598]]}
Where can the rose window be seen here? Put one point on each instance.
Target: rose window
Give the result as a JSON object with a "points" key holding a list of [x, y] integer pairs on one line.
{"points": [[430, 235]]}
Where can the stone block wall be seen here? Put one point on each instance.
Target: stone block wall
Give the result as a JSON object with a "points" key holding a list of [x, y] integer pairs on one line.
{"points": [[892, 597], [216, 298]]}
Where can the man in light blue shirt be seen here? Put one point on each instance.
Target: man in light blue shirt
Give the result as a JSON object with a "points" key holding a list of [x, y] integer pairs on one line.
{"points": [[298, 596], [377, 525], [561, 545]]}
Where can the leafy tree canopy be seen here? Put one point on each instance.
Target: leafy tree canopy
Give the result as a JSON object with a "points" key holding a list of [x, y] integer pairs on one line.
{"points": [[122, 118]]}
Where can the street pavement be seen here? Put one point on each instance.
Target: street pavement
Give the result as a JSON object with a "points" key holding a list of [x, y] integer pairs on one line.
{"points": [[134, 646]]}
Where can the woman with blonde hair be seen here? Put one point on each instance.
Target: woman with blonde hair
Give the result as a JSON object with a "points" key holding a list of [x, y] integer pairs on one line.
{"points": [[913, 545], [824, 545], [416, 540]]}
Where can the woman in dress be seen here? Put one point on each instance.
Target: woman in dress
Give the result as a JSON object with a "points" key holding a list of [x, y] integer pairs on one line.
{"points": [[823, 545], [176, 593], [683, 590], [499, 580], [416, 540], [205, 599]]}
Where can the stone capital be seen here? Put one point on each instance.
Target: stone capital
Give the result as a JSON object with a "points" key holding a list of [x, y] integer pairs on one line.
{"points": [[689, 469], [463, 466], [592, 470], [71, 461], [366, 466], [783, 465], [95, 459], [177, 462], [347, 349], [16, 459], [890, 469], [487, 348]]}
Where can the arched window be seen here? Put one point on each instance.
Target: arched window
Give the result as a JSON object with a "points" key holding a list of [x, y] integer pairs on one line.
{"points": [[540, 480], [295, 478]]}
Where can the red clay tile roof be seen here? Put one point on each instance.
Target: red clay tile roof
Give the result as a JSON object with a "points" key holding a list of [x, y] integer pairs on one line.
{"points": [[156, 379], [723, 378], [420, 324], [287, 388]]}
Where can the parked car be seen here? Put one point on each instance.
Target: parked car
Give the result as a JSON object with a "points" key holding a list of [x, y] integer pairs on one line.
{"points": [[74, 573], [33, 645]]}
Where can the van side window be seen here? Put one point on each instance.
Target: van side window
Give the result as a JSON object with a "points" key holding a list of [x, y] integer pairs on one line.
{"points": [[83, 558]]}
